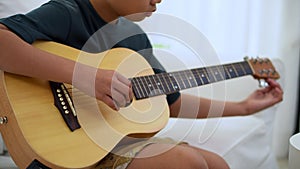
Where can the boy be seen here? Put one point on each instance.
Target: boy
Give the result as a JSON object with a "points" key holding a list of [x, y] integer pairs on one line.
{"points": [[73, 22]]}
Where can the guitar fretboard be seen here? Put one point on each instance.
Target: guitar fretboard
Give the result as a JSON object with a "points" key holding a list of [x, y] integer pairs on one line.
{"points": [[168, 83]]}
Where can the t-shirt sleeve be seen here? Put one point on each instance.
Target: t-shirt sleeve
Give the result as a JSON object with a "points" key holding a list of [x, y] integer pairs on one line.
{"points": [[48, 22]]}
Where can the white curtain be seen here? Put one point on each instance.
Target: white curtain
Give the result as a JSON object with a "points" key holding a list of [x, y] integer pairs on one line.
{"points": [[237, 28]]}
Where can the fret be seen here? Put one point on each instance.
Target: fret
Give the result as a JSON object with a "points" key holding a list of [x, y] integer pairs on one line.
{"points": [[197, 76], [190, 78], [215, 73], [231, 71], [167, 83], [136, 87], [173, 82], [221, 72], [193, 79], [242, 67], [203, 76], [211, 75], [247, 68], [239, 69], [164, 83], [186, 80], [228, 72], [150, 86], [207, 76], [144, 86], [157, 89], [235, 70], [159, 84], [180, 80]]}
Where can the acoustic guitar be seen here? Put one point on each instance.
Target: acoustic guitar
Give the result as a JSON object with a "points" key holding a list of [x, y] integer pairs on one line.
{"points": [[52, 125]]}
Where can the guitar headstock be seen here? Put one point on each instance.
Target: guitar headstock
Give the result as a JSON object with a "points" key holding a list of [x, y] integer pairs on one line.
{"points": [[262, 68]]}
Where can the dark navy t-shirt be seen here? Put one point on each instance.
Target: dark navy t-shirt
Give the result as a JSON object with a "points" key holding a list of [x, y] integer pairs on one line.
{"points": [[76, 23]]}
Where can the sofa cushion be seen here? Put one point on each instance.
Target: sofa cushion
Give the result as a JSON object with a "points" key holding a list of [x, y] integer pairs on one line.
{"points": [[242, 141]]}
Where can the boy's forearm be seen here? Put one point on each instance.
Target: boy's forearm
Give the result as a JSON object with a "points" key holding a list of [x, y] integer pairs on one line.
{"points": [[189, 106], [22, 58]]}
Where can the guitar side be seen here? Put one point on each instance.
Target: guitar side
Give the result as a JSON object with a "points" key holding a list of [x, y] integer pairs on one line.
{"points": [[36, 130]]}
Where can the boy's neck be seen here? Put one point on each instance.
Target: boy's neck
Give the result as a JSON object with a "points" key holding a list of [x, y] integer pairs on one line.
{"points": [[104, 10]]}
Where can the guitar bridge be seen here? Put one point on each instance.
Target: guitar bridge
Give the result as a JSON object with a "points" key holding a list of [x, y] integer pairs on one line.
{"points": [[64, 103]]}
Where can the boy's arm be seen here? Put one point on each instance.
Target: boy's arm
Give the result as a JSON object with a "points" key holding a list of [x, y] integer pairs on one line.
{"points": [[21, 58], [188, 106]]}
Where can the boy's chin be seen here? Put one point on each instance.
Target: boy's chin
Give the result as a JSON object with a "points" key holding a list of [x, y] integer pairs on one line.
{"points": [[138, 17]]}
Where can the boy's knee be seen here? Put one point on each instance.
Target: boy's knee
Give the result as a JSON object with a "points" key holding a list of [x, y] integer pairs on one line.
{"points": [[190, 158], [197, 158]]}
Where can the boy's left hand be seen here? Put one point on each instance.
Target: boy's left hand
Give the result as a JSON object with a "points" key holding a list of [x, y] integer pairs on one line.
{"points": [[264, 98]]}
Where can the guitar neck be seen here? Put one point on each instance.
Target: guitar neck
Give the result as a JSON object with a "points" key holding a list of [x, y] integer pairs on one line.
{"points": [[168, 83]]}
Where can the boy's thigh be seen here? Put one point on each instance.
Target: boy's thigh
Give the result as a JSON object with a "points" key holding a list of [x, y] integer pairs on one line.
{"points": [[161, 153], [168, 156]]}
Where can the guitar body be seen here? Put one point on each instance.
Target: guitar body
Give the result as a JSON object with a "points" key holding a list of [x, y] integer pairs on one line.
{"points": [[35, 129]]}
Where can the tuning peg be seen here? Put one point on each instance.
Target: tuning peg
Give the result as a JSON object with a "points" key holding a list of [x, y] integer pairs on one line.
{"points": [[257, 60], [262, 83], [260, 60], [273, 72], [266, 71], [266, 60], [3, 120]]}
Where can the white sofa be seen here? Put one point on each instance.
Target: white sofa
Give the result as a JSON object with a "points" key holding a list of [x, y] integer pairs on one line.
{"points": [[241, 141]]}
